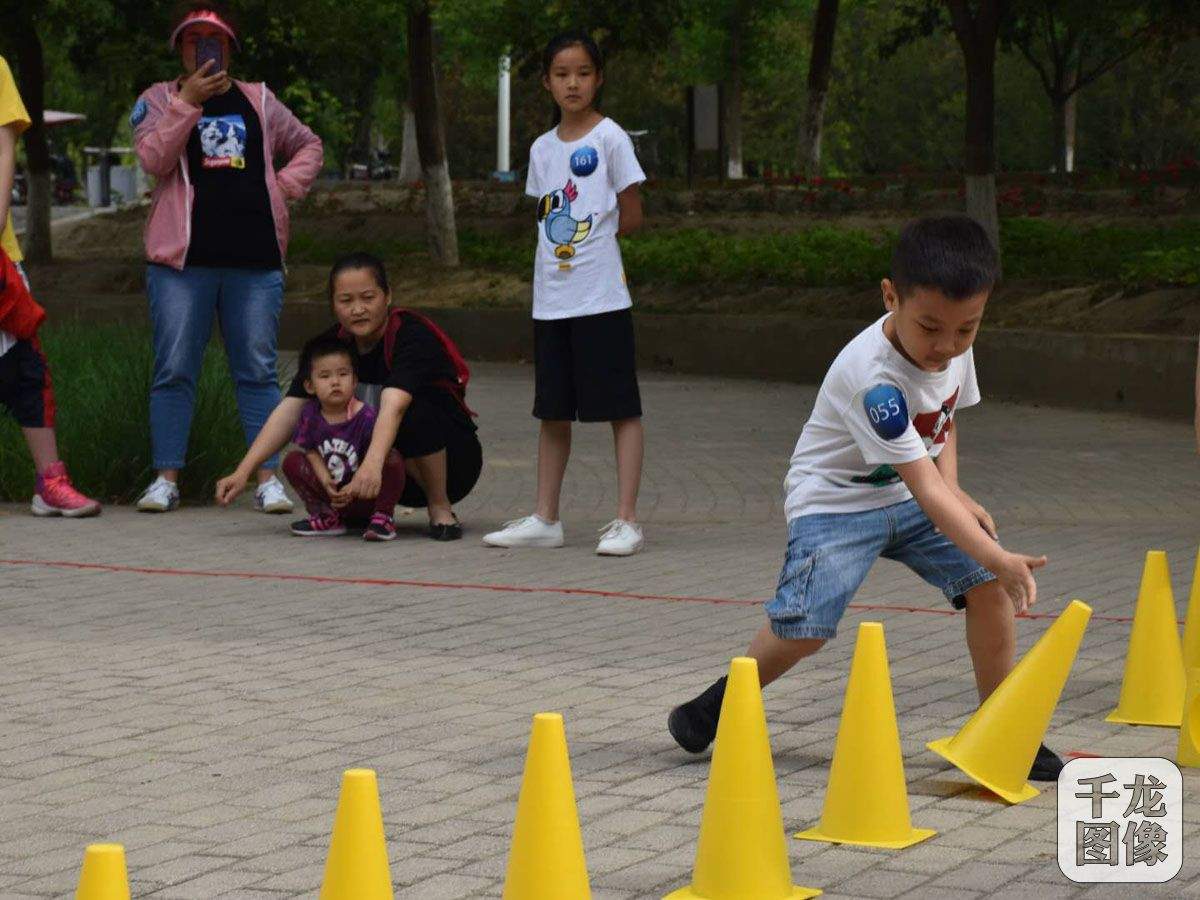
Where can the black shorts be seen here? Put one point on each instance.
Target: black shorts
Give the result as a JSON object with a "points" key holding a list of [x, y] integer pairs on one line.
{"points": [[429, 426], [25, 388], [584, 368]]}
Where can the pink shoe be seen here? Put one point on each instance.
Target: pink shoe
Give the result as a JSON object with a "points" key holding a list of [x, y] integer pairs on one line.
{"points": [[56, 496]]}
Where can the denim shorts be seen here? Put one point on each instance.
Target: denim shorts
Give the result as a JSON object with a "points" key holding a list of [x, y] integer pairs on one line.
{"points": [[829, 555]]}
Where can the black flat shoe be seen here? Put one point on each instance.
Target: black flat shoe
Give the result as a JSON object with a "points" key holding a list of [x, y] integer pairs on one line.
{"points": [[1046, 765], [694, 724], [447, 531]]}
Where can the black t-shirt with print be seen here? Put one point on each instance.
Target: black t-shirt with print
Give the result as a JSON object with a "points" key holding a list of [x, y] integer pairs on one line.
{"points": [[232, 224], [420, 367]]}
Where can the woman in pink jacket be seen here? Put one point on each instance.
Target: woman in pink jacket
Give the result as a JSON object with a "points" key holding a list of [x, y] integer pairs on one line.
{"points": [[216, 238]]}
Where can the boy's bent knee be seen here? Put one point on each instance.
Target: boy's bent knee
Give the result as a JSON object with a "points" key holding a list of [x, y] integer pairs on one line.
{"points": [[990, 599]]}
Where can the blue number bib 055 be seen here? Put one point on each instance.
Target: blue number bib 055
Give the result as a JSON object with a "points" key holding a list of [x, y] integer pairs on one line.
{"points": [[886, 410]]}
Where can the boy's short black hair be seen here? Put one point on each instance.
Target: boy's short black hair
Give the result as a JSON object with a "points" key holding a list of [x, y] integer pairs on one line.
{"points": [[951, 254], [324, 345]]}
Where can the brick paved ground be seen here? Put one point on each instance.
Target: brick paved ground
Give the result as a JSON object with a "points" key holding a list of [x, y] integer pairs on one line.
{"points": [[204, 722]]}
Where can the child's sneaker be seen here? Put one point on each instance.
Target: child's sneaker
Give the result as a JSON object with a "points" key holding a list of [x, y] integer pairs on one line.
{"points": [[56, 496], [326, 524], [380, 528], [620, 538], [1046, 765], [270, 497], [694, 724], [162, 496], [530, 531]]}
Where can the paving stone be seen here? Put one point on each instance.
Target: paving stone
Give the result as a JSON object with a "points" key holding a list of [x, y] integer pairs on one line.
{"points": [[205, 720]]}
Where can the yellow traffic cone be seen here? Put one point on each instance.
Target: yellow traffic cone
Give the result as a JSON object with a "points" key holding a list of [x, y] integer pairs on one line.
{"points": [[742, 852], [357, 865], [1187, 752], [1154, 683], [546, 861], [869, 811], [103, 875], [1191, 625], [997, 745]]}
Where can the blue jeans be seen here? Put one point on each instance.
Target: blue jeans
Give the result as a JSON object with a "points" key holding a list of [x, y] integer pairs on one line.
{"points": [[247, 303], [830, 554]]}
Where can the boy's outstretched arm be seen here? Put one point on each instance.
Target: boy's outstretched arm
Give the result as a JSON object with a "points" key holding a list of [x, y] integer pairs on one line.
{"points": [[947, 464], [1013, 570]]}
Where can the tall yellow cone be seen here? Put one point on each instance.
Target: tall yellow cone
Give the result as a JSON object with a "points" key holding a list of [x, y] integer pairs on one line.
{"points": [[546, 860], [997, 745], [1191, 625], [357, 865], [866, 802], [103, 875], [1154, 683], [742, 852], [1187, 752]]}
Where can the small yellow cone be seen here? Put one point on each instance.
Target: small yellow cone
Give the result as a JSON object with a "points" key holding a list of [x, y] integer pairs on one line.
{"points": [[1191, 625], [1154, 683], [546, 860], [357, 865], [103, 875], [1188, 750], [742, 851], [997, 745], [869, 811]]}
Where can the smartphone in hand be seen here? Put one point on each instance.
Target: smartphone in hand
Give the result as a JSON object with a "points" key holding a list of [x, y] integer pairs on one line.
{"points": [[210, 48]]}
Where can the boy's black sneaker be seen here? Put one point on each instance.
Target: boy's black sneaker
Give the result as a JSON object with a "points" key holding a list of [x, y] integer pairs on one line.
{"points": [[694, 724], [1046, 765]]}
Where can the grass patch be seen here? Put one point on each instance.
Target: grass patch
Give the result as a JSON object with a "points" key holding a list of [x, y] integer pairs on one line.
{"points": [[102, 382], [1034, 248]]}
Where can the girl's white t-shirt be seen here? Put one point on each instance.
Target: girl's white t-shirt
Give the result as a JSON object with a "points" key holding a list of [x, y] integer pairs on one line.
{"points": [[875, 410], [577, 269]]}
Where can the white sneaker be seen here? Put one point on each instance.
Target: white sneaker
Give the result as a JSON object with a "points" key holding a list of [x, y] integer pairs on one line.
{"points": [[270, 497], [162, 496], [620, 538], [531, 531]]}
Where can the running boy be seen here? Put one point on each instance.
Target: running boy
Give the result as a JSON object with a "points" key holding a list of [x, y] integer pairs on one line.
{"points": [[875, 473], [334, 433]]}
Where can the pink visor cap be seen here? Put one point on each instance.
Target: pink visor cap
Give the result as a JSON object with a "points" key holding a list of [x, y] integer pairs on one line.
{"points": [[203, 17]]}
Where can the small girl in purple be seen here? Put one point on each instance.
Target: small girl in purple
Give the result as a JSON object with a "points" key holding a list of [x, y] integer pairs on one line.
{"points": [[334, 433]]}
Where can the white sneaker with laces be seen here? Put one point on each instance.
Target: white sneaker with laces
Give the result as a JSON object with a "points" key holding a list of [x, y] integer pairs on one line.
{"points": [[270, 497], [530, 531], [620, 538], [162, 496]]}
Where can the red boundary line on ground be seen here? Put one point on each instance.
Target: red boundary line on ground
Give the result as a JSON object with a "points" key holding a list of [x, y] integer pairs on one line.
{"points": [[467, 586]]}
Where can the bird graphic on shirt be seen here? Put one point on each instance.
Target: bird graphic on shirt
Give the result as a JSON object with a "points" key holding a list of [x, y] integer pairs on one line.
{"points": [[561, 227]]}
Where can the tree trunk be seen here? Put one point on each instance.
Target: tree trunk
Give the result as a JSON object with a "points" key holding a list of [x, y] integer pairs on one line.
{"points": [[364, 102], [1062, 101], [31, 65], [431, 145], [410, 160], [1068, 158], [733, 105], [977, 37], [819, 66]]}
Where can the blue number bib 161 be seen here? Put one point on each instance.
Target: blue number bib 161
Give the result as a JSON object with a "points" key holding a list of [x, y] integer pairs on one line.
{"points": [[886, 410], [584, 161]]}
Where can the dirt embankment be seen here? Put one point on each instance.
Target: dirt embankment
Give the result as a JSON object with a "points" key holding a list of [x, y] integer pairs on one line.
{"points": [[99, 268]]}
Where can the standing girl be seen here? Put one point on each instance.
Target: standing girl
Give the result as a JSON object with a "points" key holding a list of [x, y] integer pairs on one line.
{"points": [[585, 175]]}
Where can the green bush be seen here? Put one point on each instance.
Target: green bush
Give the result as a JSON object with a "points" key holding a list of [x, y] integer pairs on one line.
{"points": [[101, 376], [1034, 248]]}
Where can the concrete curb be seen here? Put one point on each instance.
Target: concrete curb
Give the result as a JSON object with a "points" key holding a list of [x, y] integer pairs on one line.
{"points": [[1143, 374]]}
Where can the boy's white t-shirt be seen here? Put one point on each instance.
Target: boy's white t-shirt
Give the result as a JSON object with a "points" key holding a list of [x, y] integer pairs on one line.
{"points": [[875, 410], [577, 269]]}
